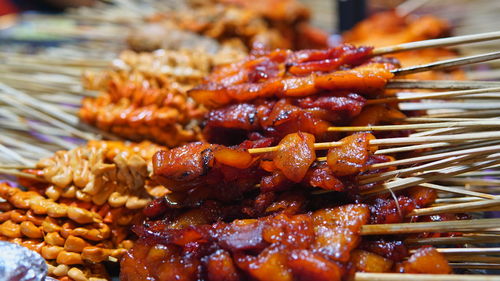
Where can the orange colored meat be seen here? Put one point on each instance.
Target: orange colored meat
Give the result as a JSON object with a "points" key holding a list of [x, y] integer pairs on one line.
{"points": [[365, 261], [352, 156], [426, 260], [281, 247], [294, 74], [295, 155]]}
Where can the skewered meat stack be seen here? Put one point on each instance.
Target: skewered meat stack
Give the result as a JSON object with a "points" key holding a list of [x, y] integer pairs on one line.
{"points": [[282, 230], [271, 94], [144, 97]]}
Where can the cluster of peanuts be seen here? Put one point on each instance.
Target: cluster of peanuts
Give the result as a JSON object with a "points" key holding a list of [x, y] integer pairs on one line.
{"points": [[186, 67], [144, 96], [102, 172], [73, 240]]}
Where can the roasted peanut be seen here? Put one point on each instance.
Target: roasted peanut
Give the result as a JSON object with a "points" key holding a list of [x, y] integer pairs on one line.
{"points": [[50, 269], [10, 229], [61, 270], [56, 210], [76, 274], [69, 258], [74, 244], [80, 215], [53, 193], [80, 195], [54, 238], [30, 230], [50, 252], [134, 202], [116, 199], [50, 225], [69, 192], [95, 254]]}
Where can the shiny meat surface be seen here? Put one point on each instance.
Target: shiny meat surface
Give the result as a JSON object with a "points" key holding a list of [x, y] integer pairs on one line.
{"points": [[297, 247], [283, 73]]}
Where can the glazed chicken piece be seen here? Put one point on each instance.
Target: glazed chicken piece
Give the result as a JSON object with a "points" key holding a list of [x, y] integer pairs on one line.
{"points": [[282, 247], [283, 73]]}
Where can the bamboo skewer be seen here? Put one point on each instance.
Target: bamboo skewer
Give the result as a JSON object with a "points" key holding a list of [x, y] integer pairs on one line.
{"points": [[428, 177], [475, 124], [440, 84], [433, 43], [456, 208], [418, 227], [447, 63], [398, 141], [461, 191], [413, 96]]}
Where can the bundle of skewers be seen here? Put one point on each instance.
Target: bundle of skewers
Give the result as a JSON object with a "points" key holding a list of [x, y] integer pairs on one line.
{"points": [[308, 165]]}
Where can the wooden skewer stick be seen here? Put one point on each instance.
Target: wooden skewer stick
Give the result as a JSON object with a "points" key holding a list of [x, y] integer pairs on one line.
{"points": [[447, 63], [428, 177], [468, 251], [419, 227], [434, 95], [475, 265], [466, 239], [461, 114], [458, 190], [21, 174], [433, 43], [398, 141], [456, 208], [440, 84], [364, 276], [475, 124]]}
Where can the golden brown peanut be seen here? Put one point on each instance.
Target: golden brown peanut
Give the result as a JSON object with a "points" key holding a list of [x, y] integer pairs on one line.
{"points": [[10, 229], [80, 215], [50, 269], [95, 254], [80, 195], [101, 233], [50, 225], [56, 210], [116, 200], [54, 238], [53, 193], [69, 192], [37, 220], [30, 230], [61, 270], [74, 244], [17, 217], [69, 258], [76, 274], [134, 202], [67, 229], [50, 252]]}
